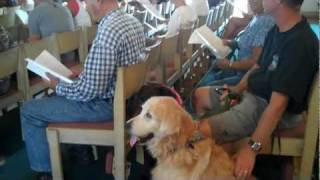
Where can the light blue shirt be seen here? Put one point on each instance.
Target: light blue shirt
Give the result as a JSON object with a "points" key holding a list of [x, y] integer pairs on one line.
{"points": [[48, 18], [254, 34]]}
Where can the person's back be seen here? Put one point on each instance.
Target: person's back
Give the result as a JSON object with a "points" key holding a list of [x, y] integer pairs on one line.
{"points": [[183, 17], [80, 14], [201, 7], [48, 18], [83, 17]]}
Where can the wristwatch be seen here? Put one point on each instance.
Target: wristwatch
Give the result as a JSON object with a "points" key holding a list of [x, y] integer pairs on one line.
{"points": [[255, 145]]}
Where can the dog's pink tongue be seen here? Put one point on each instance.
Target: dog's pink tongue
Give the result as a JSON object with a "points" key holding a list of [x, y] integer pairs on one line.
{"points": [[133, 141]]}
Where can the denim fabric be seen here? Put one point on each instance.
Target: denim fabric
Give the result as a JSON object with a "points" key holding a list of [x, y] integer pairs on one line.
{"points": [[214, 75], [230, 80], [38, 113]]}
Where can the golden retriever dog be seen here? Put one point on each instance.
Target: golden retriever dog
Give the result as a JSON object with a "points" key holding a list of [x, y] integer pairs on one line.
{"points": [[181, 151]]}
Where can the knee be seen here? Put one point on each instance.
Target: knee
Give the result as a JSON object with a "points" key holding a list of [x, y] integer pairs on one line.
{"points": [[26, 110], [201, 98]]}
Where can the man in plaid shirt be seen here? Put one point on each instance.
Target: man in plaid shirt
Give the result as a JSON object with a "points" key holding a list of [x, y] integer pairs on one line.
{"points": [[119, 42]]}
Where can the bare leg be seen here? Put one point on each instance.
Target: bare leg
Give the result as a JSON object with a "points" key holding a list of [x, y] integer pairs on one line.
{"points": [[201, 100]]}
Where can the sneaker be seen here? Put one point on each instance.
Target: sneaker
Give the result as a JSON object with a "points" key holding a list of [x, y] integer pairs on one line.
{"points": [[42, 176], [2, 160]]}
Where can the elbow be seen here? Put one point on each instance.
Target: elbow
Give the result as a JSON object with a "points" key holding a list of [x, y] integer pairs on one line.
{"points": [[278, 103]]}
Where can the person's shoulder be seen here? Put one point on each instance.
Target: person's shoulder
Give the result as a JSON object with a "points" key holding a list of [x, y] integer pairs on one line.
{"points": [[303, 34], [308, 32], [38, 9], [119, 23], [186, 11], [186, 8], [266, 20]]}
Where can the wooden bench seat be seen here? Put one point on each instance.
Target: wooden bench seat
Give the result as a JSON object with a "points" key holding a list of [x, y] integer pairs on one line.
{"points": [[83, 125]]}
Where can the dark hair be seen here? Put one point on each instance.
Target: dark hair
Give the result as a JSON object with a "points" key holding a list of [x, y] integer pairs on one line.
{"points": [[293, 3], [147, 91]]}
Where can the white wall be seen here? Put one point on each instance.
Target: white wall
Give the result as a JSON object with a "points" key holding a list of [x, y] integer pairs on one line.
{"points": [[310, 6]]}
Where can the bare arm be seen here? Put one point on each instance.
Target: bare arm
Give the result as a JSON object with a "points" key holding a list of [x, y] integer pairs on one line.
{"points": [[243, 84], [269, 120], [245, 64], [271, 117]]}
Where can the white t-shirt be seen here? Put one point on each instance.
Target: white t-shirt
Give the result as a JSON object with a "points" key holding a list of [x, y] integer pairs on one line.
{"points": [[183, 18], [83, 17], [201, 7]]}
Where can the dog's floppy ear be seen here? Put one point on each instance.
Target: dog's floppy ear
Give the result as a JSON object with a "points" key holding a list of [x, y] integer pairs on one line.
{"points": [[175, 119], [170, 124]]}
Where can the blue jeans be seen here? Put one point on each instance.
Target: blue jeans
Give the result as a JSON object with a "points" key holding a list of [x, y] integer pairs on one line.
{"points": [[38, 113], [231, 80], [216, 75]]}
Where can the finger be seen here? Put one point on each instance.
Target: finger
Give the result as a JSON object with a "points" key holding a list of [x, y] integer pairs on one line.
{"points": [[245, 174], [241, 175], [224, 95], [50, 76], [45, 80], [238, 167], [249, 172]]}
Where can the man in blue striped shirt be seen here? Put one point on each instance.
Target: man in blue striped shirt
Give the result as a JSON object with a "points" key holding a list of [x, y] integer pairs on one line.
{"points": [[119, 42]]}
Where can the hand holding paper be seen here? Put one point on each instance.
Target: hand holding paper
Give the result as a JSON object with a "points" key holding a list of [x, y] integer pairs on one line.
{"points": [[46, 63], [52, 82]]}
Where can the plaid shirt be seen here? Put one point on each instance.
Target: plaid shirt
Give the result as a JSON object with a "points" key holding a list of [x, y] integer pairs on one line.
{"points": [[119, 42], [4, 39]]}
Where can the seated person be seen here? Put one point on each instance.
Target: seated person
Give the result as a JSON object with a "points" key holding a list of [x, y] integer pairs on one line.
{"points": [[48, 17], [235, 25], [8, 3], [26, 5], [4, 82], [183, 18], [119, 42], [200, 7], [249, 46], [80, 15], [5, 43], [274, 92]]}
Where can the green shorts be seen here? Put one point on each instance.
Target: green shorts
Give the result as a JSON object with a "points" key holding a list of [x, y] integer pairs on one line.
{"points": [[242, 119]]}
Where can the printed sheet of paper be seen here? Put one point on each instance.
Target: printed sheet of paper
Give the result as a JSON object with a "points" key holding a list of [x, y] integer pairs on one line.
{"points": [[204, 35], [46, 63]]}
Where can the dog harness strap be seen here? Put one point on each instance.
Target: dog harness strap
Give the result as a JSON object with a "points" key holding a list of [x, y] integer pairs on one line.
{"points": [[198, 136]]}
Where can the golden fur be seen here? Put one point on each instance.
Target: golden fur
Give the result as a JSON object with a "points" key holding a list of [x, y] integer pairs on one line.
{"points": [[172, 127]]}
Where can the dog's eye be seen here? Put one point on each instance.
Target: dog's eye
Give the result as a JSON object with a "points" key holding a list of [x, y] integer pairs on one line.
{"points": [[148, 115]]}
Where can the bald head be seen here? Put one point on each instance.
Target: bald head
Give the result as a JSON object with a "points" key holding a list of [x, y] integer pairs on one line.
{"points": [[99, 8]]}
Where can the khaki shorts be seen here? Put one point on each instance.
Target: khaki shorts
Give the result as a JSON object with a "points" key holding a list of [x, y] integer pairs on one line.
{"points": [[242, 119]]}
